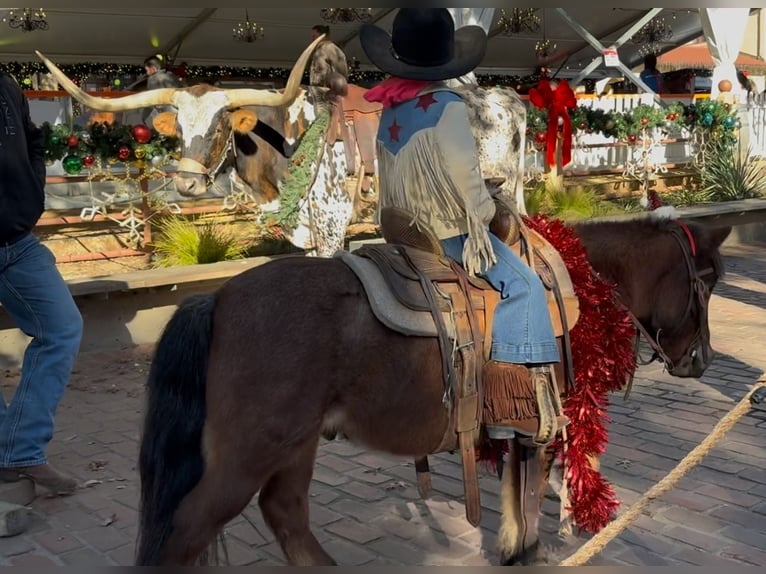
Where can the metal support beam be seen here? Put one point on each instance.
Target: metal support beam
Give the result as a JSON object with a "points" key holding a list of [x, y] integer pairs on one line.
{"points": [[629, 33], [175, 41], [593, 41], [375, 19]]}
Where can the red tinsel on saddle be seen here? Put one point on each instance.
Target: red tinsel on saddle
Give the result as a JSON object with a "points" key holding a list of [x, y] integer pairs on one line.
{"points": [[603, 359]]}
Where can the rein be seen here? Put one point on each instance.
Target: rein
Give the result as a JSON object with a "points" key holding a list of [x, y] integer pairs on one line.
{"points": [[698, 292]]}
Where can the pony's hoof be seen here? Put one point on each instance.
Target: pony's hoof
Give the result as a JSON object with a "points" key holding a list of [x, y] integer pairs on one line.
{"points": [[535, 555]]}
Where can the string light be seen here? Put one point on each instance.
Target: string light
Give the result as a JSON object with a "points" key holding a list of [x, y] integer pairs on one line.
{"points": [[122, 74]]}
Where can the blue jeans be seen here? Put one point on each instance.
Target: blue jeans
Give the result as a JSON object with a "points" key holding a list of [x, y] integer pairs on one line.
{"points": [[522, 331], [38, 300]]}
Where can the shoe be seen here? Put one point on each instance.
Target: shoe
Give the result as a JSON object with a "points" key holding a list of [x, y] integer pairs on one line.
{"points": [[42, 475]]}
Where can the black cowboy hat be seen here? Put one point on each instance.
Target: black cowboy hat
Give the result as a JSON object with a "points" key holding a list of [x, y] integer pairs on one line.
{"points": [[424, 45]]}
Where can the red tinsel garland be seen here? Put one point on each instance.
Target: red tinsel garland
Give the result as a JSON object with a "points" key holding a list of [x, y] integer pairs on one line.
{"points": [[603, 359]]}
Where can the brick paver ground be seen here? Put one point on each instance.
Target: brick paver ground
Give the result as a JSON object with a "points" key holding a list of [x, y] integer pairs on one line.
{"points": [[365, 507]]}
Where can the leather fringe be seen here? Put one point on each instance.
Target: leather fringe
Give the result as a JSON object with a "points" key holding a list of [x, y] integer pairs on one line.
{"points": [[508, 392]]}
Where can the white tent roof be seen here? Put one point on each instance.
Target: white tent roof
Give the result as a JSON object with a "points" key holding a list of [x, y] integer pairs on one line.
{"points": [[128, 35]]}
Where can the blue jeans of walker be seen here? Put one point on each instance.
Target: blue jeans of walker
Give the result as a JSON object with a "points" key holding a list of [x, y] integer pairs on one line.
{"points": [[36, 297], [522, 331]]}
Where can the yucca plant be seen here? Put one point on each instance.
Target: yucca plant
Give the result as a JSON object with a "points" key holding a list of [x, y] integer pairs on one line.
{"points": [[182, 242], [534, 199], [727, 176]]}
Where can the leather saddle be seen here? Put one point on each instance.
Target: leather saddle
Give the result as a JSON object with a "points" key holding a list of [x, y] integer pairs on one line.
{"points": [[415, 289], [355, 122]]}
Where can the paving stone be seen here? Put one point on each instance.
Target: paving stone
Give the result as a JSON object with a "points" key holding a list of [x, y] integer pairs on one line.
{"points": [[15, 545], [58, 541], [104, 538], [34, 560], [85, 557], [355, 531], [348, 553]]}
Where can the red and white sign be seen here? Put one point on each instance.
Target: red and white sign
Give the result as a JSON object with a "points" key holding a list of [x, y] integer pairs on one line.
{"points": [[611, 58]]}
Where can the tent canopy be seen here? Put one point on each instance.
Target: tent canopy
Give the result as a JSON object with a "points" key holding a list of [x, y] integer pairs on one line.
{"points": [[203, 36], [697, 57]]}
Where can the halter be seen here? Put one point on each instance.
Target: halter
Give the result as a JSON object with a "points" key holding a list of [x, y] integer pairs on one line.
{"points": [[698, 293], [188, 165]]}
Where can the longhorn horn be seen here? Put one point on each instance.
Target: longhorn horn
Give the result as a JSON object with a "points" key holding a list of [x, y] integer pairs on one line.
{"points": [[145, 99], [249, 97]]}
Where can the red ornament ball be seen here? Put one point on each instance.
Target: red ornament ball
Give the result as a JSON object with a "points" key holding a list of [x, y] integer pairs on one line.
{"points": [[540, 137], [582, 125], [72, 141], [124, 152], [632, 138], [88, 160], [141, 133]]}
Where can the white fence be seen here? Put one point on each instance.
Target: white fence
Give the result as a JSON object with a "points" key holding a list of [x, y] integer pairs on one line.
{"points": [[597, 153]]}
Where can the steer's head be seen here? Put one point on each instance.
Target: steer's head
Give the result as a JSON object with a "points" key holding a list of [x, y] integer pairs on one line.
{"points": [[204, 119]]}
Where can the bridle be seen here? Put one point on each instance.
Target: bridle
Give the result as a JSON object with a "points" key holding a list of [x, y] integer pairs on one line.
{"points": [[189, 165], [698, 295]]}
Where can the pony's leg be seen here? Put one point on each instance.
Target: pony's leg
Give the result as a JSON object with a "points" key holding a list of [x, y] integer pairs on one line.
{"points": [[284, 502], [521, 497], [222, 493]]}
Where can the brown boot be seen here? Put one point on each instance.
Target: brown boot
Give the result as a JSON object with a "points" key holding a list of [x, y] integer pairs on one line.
{"points": [[42, 475]]}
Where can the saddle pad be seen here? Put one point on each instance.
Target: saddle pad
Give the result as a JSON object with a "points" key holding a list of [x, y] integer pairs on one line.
{"points": [[384, 304]]}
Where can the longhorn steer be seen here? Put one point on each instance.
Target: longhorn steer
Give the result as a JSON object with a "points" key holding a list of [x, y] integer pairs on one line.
{"points": [[211, 121]]}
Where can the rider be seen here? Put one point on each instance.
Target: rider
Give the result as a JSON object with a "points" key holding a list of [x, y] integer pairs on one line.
{"points": [[428, 165]]}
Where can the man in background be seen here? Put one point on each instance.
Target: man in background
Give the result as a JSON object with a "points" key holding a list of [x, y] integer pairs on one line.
{"points": [[34, 295], [158, 77], [651, 76]]}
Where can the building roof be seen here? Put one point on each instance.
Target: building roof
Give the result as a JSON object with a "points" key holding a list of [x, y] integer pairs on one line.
{"points": [[697, 56]]}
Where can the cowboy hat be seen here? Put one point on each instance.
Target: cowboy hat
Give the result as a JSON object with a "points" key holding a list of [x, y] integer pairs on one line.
{"points": [[424, 45]]}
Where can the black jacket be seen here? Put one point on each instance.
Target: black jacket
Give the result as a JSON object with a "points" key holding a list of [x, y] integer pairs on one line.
{"points": [[22, 164]]}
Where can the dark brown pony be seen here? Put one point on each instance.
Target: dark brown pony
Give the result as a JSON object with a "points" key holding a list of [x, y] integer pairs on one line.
{"points": [[245, 379]]}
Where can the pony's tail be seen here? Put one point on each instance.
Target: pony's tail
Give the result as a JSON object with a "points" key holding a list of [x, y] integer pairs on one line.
{"points": [[170, 459]]}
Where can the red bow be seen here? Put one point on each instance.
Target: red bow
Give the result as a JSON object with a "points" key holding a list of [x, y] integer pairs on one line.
{"points": [[557, 102]]}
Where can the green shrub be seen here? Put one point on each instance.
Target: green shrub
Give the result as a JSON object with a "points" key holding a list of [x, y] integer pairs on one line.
{"points": [[182, 242], [727, 176]]}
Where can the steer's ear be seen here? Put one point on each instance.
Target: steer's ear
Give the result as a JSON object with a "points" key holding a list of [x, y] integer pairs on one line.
{"points": [[165, 123], [243, 121]]}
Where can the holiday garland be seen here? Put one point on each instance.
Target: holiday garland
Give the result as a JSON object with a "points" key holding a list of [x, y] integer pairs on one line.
{"points": [[718, 118], [119, 75], [603, 359], [300, 173], [79, 147]]}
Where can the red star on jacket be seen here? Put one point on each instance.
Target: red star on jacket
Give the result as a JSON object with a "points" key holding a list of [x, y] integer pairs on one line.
{"points": [[393, 131], [425, 101]]}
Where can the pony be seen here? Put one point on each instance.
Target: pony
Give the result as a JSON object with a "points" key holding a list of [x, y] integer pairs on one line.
{"points": [[241, 388]]}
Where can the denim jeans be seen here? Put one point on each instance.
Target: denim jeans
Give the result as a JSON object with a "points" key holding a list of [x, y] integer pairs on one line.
{"points": [[522, 331], [38, 300]]}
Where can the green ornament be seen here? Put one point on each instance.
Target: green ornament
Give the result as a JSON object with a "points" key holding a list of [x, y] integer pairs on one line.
{"points": [[55, 139], [72, 164]]}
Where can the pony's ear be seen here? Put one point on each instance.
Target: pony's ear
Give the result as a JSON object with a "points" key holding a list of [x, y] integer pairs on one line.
{"points": [[718, 235]]}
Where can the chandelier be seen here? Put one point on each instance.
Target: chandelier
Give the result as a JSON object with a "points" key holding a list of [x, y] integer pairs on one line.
{"points": [[29, 20], [248, 31], [544, 48], [652, 35], [520, 20], [345, 15]]}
